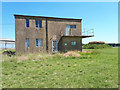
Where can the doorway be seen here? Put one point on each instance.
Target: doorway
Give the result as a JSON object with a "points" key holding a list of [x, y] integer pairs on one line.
{"points": [[54, 46]]}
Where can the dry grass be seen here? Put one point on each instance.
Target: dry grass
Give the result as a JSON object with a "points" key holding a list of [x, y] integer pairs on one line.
{"points": [[72, 53], [45, 56], [98, 69], [86, 51], [34, 56]]}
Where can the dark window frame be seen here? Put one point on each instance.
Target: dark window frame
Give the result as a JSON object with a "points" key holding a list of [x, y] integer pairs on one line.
{"points": [[72, 26], [39, 42], [38, 23], [27, 23]]}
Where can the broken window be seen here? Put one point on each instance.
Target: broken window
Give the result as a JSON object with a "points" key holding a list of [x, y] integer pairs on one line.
{"points": [[68, 27], [39, 42], [38, 23], [27, 22], [67, 30], [27, 42]]}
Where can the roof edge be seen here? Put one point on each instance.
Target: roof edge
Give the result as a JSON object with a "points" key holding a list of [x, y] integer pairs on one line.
{"points": [[46, 17]]}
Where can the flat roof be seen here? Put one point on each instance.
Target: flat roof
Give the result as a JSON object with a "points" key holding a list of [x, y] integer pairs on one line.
{"points": [[81, 36], [47, 17], [6, 40]]}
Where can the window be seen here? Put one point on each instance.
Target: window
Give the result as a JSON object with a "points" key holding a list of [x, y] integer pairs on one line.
{"points": [[27, 22], [38, 23], [27, 42], [54, 36], [65, 44], [68, 27], [73, 43], [72, 26], [68, 30], [39, 42]]}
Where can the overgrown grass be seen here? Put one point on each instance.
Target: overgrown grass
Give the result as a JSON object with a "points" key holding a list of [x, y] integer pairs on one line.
{"points": [[98, 69]]}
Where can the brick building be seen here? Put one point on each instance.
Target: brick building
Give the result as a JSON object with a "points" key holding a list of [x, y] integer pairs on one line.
{"points": [[47, 34]]}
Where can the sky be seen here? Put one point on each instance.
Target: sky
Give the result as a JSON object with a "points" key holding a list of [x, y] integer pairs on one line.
{"points": [[101, 16]]}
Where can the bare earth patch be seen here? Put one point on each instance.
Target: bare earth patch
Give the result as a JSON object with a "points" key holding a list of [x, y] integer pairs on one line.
{"points": [[71, 53], [20, 58], [86, 51]]}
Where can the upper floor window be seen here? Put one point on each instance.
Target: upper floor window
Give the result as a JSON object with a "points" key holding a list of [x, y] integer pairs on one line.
{"points": [[27, 42], [27, 22], [38, 23], [39, 42], [68, 27], [68, 30], [73, 43], [72, 26]]}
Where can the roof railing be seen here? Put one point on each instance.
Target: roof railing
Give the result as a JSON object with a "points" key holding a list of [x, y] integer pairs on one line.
{"points": [[88, 32]]}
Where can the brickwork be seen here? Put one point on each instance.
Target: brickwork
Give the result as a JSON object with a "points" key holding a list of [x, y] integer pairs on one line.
{"points": [[56, 29]]}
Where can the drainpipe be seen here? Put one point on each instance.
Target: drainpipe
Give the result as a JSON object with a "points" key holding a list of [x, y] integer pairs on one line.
{"points": [[46, 36], [80, 27]]}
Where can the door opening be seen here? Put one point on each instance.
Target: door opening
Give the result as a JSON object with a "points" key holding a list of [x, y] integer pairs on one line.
{"points": [[54, 46]]}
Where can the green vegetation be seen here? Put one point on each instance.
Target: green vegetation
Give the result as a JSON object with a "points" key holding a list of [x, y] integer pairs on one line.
{"points": [[9, 52], [92, 69], [95, 46]]}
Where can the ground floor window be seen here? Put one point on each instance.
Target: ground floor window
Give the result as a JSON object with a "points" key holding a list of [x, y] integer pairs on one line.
{"points": [[73, 43], [27, 42], [39, 42], [65, 44]]}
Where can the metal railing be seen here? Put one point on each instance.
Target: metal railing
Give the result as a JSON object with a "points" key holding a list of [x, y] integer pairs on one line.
{"points": [[88, 32]]}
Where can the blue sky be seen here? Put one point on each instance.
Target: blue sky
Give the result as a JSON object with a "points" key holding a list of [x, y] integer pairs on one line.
{"points": [[102, 16]]}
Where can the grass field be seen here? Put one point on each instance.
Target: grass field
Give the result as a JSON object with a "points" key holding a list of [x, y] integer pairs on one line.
{"points": [[91, 70]]}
